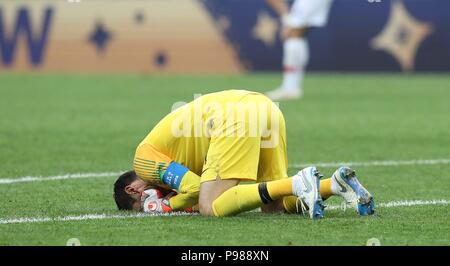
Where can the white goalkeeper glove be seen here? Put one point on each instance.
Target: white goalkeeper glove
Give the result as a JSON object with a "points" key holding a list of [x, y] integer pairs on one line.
{"points": [[154, 202]]}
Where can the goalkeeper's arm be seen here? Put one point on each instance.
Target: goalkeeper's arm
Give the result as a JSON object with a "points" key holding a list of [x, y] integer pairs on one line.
{"points": [[155, 167], [185, 182]]}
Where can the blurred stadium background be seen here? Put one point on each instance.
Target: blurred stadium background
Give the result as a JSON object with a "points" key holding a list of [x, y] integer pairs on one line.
{"points": [[217, 36], [83, 81]]}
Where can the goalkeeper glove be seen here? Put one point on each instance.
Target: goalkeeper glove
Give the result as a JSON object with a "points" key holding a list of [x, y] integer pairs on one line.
{"points": [[154, 202]]}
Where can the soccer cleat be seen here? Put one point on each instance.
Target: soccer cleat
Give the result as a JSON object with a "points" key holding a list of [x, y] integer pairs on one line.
{"points": [[284, 94], [347, 185], [305, 185]]}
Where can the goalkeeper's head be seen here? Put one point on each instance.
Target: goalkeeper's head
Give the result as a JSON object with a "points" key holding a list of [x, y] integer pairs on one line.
{"points": [[128, 190]]}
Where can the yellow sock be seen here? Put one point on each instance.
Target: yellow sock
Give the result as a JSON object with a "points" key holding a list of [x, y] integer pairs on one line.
{"points": [[279, 188], [236, 200], [325, 188], [248, 197], [243, 198]]}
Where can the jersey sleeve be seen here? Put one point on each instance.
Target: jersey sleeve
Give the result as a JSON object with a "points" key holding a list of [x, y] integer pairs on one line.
{"points": [[149, 164], [189, 192], [181, 202]]}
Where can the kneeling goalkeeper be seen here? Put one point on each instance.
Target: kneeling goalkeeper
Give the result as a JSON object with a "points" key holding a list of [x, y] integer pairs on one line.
{"points": [[206, 148]]}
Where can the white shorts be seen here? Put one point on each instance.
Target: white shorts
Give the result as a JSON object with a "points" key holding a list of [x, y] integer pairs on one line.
{"points": [[308, 13]]}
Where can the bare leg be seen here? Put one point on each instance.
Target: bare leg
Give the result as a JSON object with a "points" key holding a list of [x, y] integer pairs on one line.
{"points": [[210, 191]]}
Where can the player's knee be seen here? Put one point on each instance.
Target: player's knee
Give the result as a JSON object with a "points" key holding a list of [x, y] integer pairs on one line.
{"points": [[205, 208], [273, 207], [267, 209]]}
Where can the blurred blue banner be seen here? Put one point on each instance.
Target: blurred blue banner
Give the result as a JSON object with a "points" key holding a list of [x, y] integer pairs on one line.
{"points": [[361, 35]]}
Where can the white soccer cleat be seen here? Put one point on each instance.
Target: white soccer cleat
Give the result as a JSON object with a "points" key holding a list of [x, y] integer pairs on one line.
{"points": [[284, 94], [306, 185], [345, 183]]}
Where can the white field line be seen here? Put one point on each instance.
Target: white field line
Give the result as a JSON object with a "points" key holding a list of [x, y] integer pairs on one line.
{"points": [[4, 181], [375, 163], [400, 203], [56, 177], [84, 217]]}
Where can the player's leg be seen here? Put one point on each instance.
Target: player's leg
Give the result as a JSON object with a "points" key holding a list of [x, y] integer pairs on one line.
{"points": [[210, 191], [345, 183], [302, 17], [241, 198], [232, 157], [326, 189], [295, 59], [278, 206], [247, 197], [290, 204], [273, 164], [229, 161]]}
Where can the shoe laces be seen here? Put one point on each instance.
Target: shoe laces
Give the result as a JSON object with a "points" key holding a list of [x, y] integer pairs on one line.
{"points": [[303, 206]]}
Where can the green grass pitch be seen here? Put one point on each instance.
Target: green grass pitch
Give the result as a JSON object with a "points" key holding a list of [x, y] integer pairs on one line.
{"points": [[59, 124]]}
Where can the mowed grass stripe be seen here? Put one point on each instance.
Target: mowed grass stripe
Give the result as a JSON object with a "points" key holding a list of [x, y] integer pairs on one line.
{"points": [[390, 163]]}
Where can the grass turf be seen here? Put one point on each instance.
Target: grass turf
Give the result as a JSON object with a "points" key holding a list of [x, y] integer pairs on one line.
{"points": [[57, 124]]}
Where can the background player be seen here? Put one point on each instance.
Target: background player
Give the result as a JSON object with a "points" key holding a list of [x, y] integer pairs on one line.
{"points": [[297, 22]]}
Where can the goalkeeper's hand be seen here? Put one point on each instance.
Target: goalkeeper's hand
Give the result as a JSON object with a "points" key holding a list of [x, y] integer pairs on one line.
{"points": [[156, 206], [153, 201]]}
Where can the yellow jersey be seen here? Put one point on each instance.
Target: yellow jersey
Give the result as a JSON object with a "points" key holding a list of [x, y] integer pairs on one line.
{"points": [[220, 134]]}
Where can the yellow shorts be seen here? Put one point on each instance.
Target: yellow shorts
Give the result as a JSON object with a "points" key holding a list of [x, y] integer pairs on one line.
{"points": [[247, 143]]}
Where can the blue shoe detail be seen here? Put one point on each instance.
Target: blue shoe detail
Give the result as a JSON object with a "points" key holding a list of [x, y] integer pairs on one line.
{"points": [[364, 209], [319, 210], [350, 181]]}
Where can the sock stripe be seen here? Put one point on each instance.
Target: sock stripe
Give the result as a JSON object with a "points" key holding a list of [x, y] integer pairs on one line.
{"points": [[289, 69], [264, 193]]}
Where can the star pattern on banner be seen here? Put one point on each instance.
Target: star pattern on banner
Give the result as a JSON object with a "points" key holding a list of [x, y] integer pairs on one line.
{"points": [[139, 17], [402, 36], [265, 29], [160, 59], [100, 37]]}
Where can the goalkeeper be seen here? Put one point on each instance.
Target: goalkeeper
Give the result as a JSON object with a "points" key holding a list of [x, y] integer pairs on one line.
{"points": [[206, 148]]}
